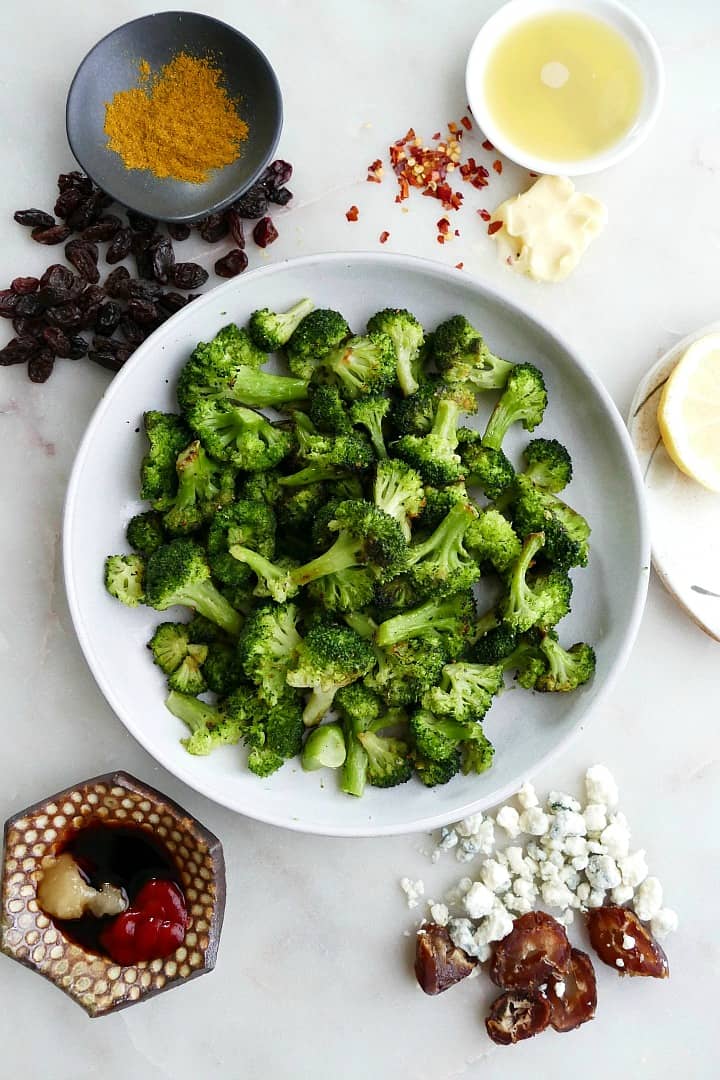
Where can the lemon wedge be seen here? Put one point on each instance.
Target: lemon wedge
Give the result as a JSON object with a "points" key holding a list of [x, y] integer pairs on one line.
{"points": [[689, 412]]}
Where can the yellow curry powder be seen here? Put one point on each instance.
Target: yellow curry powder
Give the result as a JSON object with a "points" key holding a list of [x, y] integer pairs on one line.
{"points": [[179, 124]]}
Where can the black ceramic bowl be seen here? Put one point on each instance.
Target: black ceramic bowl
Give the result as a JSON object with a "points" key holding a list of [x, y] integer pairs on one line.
{"points": [[112, 65]]}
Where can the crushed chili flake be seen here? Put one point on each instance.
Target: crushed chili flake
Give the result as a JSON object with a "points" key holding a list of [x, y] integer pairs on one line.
{"points": [[384, 236], [443, 225], [457, 232], [497, 165], [440, 238], [533, 174], [494, 227], [466, 123], [436, 136], [375, 172], [487, 145], [484, 214], [459, 266], [352, 214]]}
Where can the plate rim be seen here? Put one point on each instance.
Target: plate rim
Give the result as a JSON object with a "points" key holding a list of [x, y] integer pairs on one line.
{"points": [[429, 821]]}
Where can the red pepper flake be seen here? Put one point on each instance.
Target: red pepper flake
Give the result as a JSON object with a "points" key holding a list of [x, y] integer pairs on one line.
{"points": [[487, 145], [436, 136], [457, 232], [466, 123], [443, 226], [484, 214], [494, 227], [440, 238], [375, 172], [352, 214], [459, 266], [533, 174], [497, 165], [384, 236]]}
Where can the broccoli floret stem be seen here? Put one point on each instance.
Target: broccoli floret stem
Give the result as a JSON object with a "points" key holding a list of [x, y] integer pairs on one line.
{"points": [[518, 608], [446, 420], [276, 579], [312, 474], [354, 771], [324, 748], [319, 703], [261, 390], [500, 420], [432, 615], [447, 539], [206, 599], [198, 715], [344, 553]]}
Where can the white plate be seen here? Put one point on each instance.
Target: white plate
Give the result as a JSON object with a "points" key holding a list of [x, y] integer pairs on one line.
{"points": [[684, 516], [526, 729]]}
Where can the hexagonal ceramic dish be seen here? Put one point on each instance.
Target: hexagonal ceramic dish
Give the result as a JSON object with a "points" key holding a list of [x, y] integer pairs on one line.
{"points": [[29, 936]]}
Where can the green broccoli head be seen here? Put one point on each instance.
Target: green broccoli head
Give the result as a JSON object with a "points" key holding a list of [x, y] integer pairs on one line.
{"points": [[462, 356], [261, 487], [540, 601], [245, 522], [484, 467], [209, 725], [298, 510], [327, 410], [145, 532], [318, 333], [434, 773], [565, 531], [566, 668], [277, 737], [434, 455], [237, 435], [548, 464], [359, 705], [171, 645], [477, 755], [398, 491], [167, 435], [125, 578], [327, 658], [414, 415], [203, 487], [395, 596], [270, 330], [442, 564], [449, 620], [466, 691], [388, 759], [407, 670], [407, 337], [438, 738], [369, 412], [345, 590], [178, 574], [495, 645], [351, 451], [439, 501], [492, 541], [361, 365], [523, 401], [267, 647], [188, 677], [222, 669]]}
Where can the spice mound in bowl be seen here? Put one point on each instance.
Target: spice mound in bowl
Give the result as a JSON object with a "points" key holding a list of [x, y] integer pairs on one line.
{"points": [[112, 892], [175, 115]]}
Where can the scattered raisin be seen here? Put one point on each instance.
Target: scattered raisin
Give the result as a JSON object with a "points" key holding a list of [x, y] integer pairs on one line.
{"points": [[28, 327], [86, 213], [34, 219], [116, 282], [253, 203], [277, 174], [69, 316], [119, 246], [29, 306], [83, 255], [265, 232], [78, 347], [173, 301], [55, 234], [280, 196], [213, 228], [75, 179], [103, 229], [56, 340], [40, 366], [24, 285], [68, 201], [163, 259], [139, 223], [188, 275], [235, 225], [143, 312], [178, 230], [133, 334], [8, 300], [232, 264], [18, 351], [108, 318], [57, 276]]}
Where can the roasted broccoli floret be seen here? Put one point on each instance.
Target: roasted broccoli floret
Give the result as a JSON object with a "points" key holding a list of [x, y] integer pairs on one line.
{"points": [[203, 487], [495, 644], [484, 466], [125, 578], [298, 509], [439, 501], [167, 435], [434, 455], [407, 337], [251, 524], [324, 748], [434, 773], [466, 691], [360, 709], [351, 451], [270, 330], [407, 670], [276, 737], [442, 563], [318, 333], [398, 491], [566, 668], [462, 356], [188, 677], [204, 632], [209, 725], [540, 601], [267, 647], [222, 668], [523, 400], [327, 411], [361, 365], [145, 532], [344, 590], [388, 759], [414, 415], [438, 738], [238, 435], [548, 464], [392, 597], [491, 540], [178, 573], [261, 487], [566, 532], [369, 412], [477, 755], [449, 620], [170, 645], [327, 658]]}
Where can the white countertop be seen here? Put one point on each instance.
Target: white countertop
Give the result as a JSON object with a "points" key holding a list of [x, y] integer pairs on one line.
{"points": [[314, 977]]}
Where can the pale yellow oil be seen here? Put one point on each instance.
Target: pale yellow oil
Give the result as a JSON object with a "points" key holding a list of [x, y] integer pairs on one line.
{"points": [[564, 86]]}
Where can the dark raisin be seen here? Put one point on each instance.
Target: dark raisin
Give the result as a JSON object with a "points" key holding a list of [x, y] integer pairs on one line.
{"points": [[253, 203], [231, 264], [143, 312], [235, 225], [90, 302], [178, 231], [188, 275], [86, 213], [51, 297], [103, 229], [83, 255], [68, 201], [108, 317], [144, 263], [140, 223], [13, 353], [75, 179], [163, 259], [133, 334], [172, 301], [78, 347], [109, 353], [119, 246], [57, 275], [34, 219], [57, 234], [24, 285], [29, 307], [143, 290], [28, 327], [8, 301], [69, 316], [56, 340], [213, 228], [116, 283], [280, 196], [277, 173], [265, 232], [40, 366]]}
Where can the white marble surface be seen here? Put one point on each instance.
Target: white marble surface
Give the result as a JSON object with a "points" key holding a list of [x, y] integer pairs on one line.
{"points": [[313, 979]]}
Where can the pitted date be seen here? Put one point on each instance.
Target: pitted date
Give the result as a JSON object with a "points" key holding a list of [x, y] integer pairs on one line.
{"points": [[609, 927], [578, 1001], [536, 948], [438, 963], [517, 1015]]}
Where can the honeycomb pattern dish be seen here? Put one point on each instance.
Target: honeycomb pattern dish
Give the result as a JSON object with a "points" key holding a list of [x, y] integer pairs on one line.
{"points": [[29, 936]]}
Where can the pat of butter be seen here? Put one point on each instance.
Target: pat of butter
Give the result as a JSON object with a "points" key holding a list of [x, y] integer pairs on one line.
{"points": [[547, 229]]}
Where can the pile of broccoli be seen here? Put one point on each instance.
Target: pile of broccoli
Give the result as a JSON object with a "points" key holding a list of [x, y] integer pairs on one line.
{"points": [[327, 528]]}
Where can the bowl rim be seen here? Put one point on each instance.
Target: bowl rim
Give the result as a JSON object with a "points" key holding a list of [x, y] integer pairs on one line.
{"points": [[619, 16], [273, 84], [432, 820]]}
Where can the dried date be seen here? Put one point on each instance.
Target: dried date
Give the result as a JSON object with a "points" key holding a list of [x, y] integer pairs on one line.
{"points": [[611, 928], [517, 1015], [578, 1000], [438, 963], [536, 948]]}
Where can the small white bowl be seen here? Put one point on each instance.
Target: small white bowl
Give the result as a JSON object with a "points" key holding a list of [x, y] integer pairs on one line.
{"points": [[633, 30]]}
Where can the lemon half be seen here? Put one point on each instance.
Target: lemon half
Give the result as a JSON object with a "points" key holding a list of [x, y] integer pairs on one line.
{"points": [[689, 412]]}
